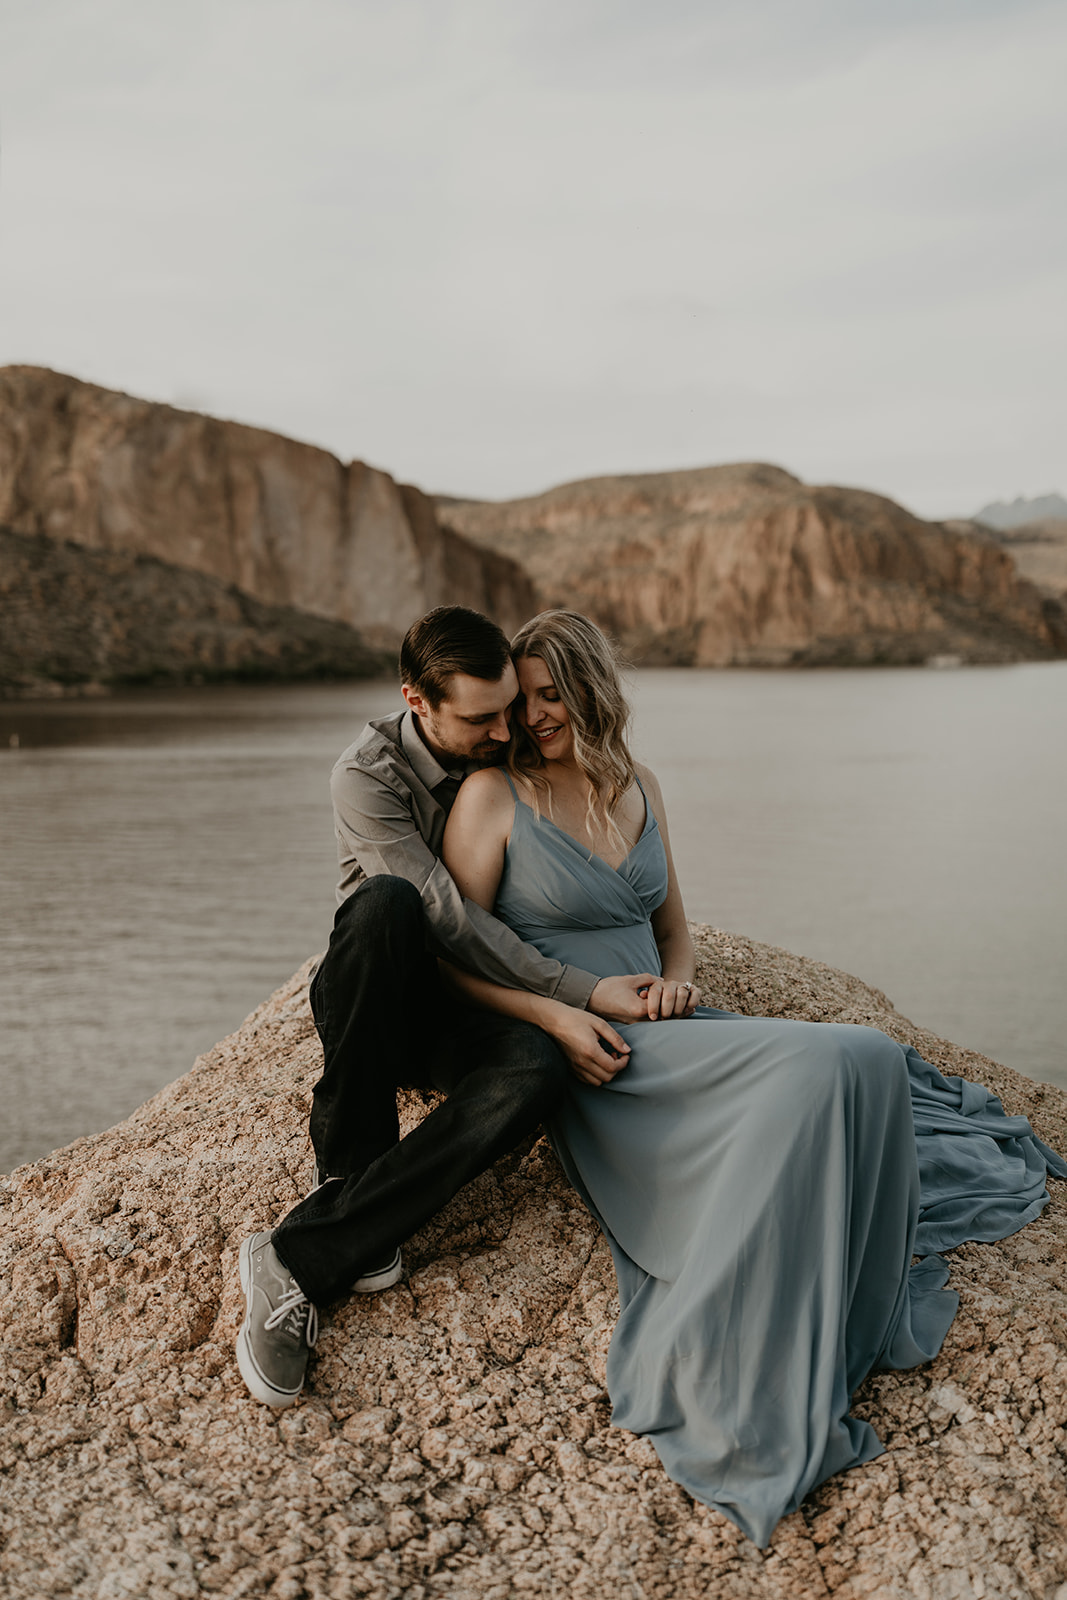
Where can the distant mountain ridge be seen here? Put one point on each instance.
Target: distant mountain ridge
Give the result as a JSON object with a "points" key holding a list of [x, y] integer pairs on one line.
{"points": [[1016, 513], [739, 565], [745, 565]]}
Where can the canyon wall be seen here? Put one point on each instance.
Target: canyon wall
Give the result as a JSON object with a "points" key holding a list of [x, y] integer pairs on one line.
{"points": [[747, 566], [725, 566], [72, 617], [1039, 550], [454, 1438], [285, 522]]}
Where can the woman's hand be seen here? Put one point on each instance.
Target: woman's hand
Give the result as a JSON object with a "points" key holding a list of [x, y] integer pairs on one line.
{"points": [[666, 997], [621, 998], [593, 1048]]}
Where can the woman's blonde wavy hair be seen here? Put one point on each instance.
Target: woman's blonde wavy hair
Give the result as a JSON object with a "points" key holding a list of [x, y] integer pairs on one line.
{"points": [[585, 670]]}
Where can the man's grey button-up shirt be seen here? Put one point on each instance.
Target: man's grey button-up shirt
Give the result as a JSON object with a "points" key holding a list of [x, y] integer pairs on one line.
{"points": [[391, 799]]}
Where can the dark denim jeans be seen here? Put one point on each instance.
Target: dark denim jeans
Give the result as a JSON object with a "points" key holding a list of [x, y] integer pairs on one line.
{"points": [[386, 1020]]}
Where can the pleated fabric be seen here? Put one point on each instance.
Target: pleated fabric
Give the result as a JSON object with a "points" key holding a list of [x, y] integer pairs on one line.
{"points": [[764, 1185]]}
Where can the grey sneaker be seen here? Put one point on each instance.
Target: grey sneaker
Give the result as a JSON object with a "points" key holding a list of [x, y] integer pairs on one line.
{"points": [[280, 1326], [375, 1278]]}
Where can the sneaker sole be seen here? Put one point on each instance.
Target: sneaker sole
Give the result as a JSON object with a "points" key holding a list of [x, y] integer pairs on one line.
{"points": [[258, 1386], [384, 1278], [371, 1282]]}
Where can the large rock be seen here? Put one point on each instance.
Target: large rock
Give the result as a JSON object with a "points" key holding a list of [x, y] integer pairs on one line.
{"points": [[747, 566], [454, 1437], [73, 619], [285, 522]]}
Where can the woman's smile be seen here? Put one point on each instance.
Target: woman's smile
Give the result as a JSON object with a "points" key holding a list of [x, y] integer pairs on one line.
{"points": [[552, 737], [540, 710]]}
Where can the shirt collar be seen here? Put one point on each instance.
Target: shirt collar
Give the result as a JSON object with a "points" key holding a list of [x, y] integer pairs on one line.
{"points": [[424, 763]]}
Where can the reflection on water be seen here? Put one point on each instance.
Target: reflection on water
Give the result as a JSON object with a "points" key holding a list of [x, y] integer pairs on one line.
{"points": [[168, 858]]}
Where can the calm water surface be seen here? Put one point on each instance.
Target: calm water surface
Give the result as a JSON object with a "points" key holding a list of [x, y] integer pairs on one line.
{"points": [[168, 858]]}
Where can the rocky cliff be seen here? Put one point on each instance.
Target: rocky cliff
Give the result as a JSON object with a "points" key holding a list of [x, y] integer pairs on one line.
{"points": [[454, 1438], [1039, 550], [72, 618], [745, 565], [286, 523]]}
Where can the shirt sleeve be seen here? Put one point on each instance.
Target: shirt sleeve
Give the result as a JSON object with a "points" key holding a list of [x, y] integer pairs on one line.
{"points": [[376, 828]]}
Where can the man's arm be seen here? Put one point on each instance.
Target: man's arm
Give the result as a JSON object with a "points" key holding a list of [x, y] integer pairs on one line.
{"points": [[593, 1048], [475, 848], [376, 826]]}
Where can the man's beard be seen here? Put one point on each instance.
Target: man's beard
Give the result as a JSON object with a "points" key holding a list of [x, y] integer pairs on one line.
{"points": [[487, 754], [490, 754]]}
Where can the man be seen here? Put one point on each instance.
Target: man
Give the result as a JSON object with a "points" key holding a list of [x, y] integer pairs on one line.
{"points": [[386, 1018]]}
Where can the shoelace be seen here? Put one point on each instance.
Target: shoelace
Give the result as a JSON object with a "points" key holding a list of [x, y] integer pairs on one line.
{"points": [[295, 1304]]}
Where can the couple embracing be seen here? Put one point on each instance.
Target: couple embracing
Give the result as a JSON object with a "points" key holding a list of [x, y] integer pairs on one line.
{"points": [[511, 932]]}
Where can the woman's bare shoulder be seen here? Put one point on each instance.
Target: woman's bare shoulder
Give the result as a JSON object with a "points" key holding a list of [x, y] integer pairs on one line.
{"points": [[653, 792], [484, 794], [649, 782]]}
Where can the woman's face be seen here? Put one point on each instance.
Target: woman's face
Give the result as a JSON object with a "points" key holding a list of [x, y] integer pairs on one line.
{"points": [[541, 711]]}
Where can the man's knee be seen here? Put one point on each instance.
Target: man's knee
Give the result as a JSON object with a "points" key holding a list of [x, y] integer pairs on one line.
{"points": [[378, 934], [383, 898], [381, 912]]}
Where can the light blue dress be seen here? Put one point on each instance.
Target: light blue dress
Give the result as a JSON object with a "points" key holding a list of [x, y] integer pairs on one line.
{"points": [[763, 1185]]}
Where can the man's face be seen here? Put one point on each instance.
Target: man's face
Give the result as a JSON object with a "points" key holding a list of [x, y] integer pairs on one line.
{"points": [[471, 723]]}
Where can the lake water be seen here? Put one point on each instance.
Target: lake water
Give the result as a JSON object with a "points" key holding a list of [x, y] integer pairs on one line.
{"points": [[168, 858]]}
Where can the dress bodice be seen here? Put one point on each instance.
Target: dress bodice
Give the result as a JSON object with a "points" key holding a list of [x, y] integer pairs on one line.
{"points": [[572, 905]]}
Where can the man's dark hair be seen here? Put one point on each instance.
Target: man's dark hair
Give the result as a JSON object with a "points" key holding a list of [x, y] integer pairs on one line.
{"points": [[447, 640]]}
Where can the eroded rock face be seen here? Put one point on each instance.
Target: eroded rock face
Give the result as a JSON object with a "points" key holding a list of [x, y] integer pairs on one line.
{"points": [[454, 1437], [287, 523], [1039, 550], [745, 565], [72, 618]]}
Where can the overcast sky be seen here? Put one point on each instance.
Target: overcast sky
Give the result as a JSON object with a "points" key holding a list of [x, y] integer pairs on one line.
{"points": [[491, 245]]}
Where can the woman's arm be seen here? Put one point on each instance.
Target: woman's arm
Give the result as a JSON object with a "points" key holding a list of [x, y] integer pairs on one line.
{"points": [[476, 838], [669, 997]]}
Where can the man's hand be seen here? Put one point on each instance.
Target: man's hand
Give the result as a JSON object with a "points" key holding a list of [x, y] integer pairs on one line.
{"points": [[624, 998], [593, 1048]]}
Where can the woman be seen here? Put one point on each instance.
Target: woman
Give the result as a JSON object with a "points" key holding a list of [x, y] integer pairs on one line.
{"points": [[758, 1179]]}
